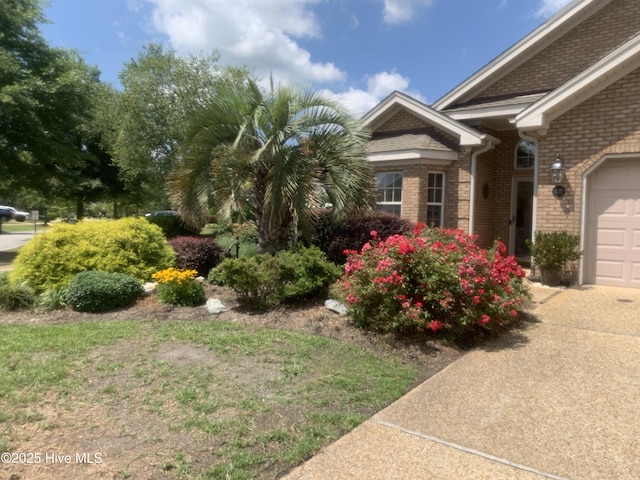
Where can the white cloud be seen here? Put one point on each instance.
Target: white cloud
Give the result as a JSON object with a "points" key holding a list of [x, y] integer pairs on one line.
{"points": [[549, 7], [379, 86], [263, 34], [398, 11], [258, 33]]}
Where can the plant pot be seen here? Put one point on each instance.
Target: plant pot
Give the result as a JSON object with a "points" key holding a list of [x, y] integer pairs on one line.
{"points": [[551, 276]]}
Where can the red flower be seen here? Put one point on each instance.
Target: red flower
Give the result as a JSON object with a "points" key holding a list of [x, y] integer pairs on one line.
{"points": [[484, 319], [435, 325]]}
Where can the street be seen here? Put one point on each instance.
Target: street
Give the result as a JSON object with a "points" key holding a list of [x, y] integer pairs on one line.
{"points": [[9, 241]]}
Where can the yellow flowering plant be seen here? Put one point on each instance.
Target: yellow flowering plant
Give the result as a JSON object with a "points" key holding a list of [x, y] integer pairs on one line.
{"points": [[179, 287], [173, 275]]}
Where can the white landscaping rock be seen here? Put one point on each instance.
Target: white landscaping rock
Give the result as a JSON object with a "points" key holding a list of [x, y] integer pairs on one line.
{"points": [[335, 306], [149, 287], [215, 306]]}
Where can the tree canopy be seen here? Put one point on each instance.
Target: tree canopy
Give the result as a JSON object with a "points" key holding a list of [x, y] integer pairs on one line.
{"points": [[45, 96], [144, 121], [281, 154]]}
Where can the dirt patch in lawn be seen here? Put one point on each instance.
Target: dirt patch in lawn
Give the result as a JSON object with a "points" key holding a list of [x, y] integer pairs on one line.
{"points": [[311, 317], [116, 418]]}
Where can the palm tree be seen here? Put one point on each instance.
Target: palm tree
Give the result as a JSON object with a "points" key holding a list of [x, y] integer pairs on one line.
{"points": [[281, 155]]}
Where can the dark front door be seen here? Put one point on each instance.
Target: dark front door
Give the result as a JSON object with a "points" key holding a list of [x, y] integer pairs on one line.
{"points": [[521, 218]]}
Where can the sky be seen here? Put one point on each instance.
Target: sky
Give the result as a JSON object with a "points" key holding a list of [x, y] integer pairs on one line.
{"points": [[356, 50]]}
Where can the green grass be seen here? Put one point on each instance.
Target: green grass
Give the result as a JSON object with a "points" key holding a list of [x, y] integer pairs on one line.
{"points": [[247, 249], [252, 402], [20, 227]]}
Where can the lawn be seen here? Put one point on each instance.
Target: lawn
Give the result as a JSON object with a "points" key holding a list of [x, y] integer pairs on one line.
{"points": [[182, 399]]}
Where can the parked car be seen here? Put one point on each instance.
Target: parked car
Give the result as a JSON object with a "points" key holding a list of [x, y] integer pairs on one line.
{"points": [[162, 213], [8, 213]]}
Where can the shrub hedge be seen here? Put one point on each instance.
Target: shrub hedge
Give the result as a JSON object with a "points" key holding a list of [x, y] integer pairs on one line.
{"points": [[95, 291], [130, 246]]}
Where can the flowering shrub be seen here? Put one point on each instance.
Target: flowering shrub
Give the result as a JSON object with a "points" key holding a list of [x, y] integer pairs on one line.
{"points": [[434, 280], [179, 287]]}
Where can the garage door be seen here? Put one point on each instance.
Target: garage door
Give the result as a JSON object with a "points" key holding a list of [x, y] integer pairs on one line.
{"points": [[613, 224]]}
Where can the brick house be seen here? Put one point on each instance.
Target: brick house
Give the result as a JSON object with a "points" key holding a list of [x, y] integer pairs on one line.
{"points": [[480, 157]]}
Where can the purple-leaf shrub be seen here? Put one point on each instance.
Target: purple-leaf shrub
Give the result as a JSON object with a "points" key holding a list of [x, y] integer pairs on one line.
{"points": [[196, 253], [434, 280]]}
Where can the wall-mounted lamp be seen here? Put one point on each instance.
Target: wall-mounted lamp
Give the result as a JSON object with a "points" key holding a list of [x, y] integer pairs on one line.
{"points": [[557, 175]]}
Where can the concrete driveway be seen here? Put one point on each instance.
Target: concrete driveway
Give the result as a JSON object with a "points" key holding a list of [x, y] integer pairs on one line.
{"points": [[558, 398]]}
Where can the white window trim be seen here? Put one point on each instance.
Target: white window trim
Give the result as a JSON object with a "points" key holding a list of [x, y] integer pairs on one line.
{"points": [[515, 156], [401, 190], [444, 193]]}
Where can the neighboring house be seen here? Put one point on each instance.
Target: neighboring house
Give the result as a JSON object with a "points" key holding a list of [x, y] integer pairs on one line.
{"points": [[480, 157]]}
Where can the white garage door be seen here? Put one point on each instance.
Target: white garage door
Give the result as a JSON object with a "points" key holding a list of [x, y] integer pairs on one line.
{"points": [[613, 224]]}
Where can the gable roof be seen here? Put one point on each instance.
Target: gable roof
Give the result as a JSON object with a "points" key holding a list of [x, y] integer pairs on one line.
{"points": [[519, 53], [397, 101], [608, 70]]}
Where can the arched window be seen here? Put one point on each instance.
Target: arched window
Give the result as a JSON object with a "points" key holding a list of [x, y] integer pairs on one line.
{"points": [[525, 155]]}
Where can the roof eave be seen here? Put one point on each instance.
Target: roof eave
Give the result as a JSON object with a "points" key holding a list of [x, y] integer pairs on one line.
{"points": [[384, 110]]}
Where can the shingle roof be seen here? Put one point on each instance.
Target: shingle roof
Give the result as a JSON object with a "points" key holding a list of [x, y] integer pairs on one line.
{"points": [[499, 102], [407, 141]]}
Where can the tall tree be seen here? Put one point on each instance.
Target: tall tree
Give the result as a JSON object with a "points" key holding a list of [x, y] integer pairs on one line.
{"points": [[282, 154], [44, 97], [144, 122]]}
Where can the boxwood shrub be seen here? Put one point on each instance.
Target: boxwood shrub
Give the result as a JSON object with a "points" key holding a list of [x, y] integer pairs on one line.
{"points": [[95, 291], [130, 246]]}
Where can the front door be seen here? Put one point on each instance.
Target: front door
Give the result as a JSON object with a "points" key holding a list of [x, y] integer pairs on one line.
{"points": [[521, 218]]}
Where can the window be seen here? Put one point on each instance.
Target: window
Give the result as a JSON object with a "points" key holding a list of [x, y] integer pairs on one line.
{"points": [[435, 199], [526, 155], [389, 187]]}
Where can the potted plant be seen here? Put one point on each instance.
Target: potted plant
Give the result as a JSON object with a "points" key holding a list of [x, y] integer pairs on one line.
{"points": [[551, 251]]}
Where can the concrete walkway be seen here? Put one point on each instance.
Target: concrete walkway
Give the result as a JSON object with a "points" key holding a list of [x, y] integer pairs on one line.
{"points": [[559, 398]]}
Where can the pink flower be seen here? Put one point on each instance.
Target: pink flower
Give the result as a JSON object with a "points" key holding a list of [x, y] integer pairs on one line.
{"points": [[435, 325], [352, 298], [406, 248], [484, 319], [373, 234]]}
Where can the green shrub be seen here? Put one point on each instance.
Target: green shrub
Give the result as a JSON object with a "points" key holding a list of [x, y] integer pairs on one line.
{"points": [[554, 249], [266, 280], [196, 253], [16, 297], [95, 291], [4, 278], [179, 287], [172, 226], [188, 294], [130, 246]]}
